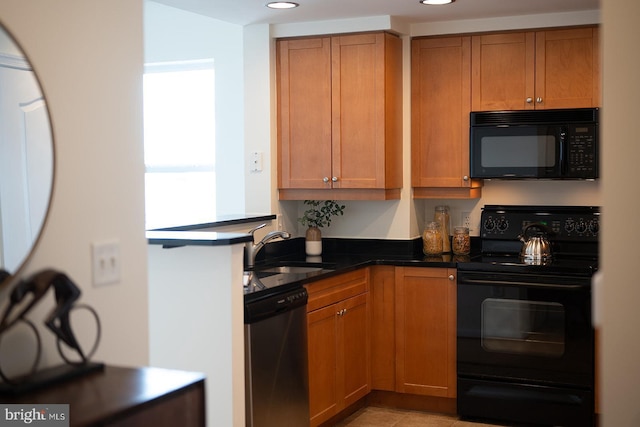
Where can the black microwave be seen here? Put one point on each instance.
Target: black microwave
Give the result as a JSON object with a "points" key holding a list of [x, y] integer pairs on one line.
{"points": [[534, 144]]}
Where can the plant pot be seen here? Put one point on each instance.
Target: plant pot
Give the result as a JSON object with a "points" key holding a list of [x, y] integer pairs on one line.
{"points": [[313, 242]]}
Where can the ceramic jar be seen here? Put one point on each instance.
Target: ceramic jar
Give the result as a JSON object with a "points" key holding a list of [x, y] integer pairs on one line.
{"points": [[313, 241]]}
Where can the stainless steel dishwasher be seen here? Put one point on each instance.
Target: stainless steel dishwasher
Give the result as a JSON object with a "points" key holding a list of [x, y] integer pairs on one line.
{"points": [[276, 367]]}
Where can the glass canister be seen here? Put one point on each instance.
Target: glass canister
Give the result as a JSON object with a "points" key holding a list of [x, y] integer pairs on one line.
{"points": [[461, 242], [432, 239], [441, 215]]}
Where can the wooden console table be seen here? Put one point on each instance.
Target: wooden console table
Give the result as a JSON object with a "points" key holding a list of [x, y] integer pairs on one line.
{"points": [[126, 397]]}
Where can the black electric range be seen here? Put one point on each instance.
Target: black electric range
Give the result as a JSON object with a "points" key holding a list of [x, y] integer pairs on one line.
{"points": [[525, 347]]}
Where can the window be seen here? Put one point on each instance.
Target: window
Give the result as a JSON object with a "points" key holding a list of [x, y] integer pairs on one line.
{"points": [[179, 143]]}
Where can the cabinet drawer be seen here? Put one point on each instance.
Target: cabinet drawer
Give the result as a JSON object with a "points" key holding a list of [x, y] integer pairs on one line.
{"points": [[329, 291]]}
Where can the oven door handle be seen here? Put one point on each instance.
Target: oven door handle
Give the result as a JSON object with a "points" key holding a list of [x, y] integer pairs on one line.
{"points": [[517, 283]]}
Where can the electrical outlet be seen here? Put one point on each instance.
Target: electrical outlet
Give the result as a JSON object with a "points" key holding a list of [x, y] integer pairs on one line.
{"points": [[256, 161], [105, 260], [465, 220]]}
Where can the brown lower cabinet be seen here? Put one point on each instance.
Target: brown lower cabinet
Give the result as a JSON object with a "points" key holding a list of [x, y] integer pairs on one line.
{"points": [[425, 331], [338, 324], [386, 333]]}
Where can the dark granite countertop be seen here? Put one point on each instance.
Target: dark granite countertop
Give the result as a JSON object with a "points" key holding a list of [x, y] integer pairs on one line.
{"points": [[346, 253], [204, 234], [174, 239], [220, 221], [340, 256]]}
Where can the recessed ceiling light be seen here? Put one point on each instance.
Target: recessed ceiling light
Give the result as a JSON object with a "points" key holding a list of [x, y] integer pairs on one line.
{"points": [[436, 2], [282, 5]]}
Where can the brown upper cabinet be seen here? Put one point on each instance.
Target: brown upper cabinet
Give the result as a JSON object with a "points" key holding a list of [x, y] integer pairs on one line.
{"points": [[340, 117], [536, 70], [440, 106]]}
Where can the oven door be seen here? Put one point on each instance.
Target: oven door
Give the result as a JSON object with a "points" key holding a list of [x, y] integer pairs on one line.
{"points": [[523, 326], [520, 151]]}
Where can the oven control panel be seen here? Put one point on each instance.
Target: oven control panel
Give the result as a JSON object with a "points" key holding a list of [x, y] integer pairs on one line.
{"points": [[563, 223]]}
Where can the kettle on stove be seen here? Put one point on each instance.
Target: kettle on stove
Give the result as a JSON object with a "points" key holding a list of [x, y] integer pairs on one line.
{"points": [[536, 245]]}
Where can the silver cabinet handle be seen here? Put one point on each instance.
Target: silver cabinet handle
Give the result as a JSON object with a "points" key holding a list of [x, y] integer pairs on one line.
{"points": [[539, 100], [342, 312], [452, 277], [529, 100], [325, 179], [465, 178], [334, 179]]}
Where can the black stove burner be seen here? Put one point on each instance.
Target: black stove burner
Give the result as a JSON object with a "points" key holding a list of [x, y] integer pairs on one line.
{"points": [[574, 266]]}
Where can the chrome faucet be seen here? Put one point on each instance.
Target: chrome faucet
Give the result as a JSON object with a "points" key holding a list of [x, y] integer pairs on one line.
{"points": [[253, 248]]}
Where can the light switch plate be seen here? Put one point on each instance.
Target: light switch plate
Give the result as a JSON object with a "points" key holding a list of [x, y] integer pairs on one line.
{"points": [[105, 260]]}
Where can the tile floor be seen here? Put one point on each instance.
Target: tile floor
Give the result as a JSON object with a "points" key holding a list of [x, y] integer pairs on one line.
{"points": [[385, 417]]}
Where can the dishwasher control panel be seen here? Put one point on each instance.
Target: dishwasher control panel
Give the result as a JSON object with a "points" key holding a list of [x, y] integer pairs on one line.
{"points": [[274, 304]]}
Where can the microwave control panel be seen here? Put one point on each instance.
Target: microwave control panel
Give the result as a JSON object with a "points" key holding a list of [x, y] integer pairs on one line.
{"points": [[581, 150]]}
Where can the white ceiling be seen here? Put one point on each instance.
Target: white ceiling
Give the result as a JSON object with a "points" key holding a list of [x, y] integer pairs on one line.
{"points": [[245, 12]]}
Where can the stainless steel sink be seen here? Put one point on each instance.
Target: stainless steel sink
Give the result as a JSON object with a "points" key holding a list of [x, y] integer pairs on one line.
{"points": [[293, 269]]}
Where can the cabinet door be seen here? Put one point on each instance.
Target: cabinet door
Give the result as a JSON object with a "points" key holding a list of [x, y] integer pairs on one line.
{"points": [[304, 106], [339, 356], [503, 72], [322, 330], [567, 68], [440, 105], [359, 110], [354, 355], [426, 331], [340, 117]]}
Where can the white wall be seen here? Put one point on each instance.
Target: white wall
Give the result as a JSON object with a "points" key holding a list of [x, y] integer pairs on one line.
{"points": [[89, 58], [258, 135], [620, 288], [196, 316], [172, 34]]}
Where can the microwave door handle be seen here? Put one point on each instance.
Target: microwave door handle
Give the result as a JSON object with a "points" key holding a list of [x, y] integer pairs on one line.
{"points": [[562, 151]]}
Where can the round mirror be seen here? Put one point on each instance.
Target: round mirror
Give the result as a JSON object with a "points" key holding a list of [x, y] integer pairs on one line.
{"points": [[26, 157]]}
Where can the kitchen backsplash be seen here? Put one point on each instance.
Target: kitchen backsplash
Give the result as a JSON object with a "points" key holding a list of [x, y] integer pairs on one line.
{"points": [[496, 192], [394, 220]]}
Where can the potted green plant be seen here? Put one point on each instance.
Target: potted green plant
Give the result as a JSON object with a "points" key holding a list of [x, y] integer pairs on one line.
{"points": [[319, 214]]}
